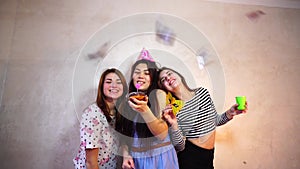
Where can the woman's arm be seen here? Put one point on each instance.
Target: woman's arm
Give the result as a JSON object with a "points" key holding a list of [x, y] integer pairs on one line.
{"points": [[177, 139], [156, 125], [92, 158], [229, 114], [127, 159], [176, 135]]}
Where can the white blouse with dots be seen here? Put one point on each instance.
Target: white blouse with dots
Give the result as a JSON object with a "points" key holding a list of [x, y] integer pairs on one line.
{"points": [[97, 132]]}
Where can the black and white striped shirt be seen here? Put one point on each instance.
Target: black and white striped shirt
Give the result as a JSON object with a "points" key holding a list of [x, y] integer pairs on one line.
{"points": [[198, 116]]}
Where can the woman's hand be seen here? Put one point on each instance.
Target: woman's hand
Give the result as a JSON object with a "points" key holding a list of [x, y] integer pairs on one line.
{"points": [[128, 163], [233, 111], [169, 116], [139, 105]]}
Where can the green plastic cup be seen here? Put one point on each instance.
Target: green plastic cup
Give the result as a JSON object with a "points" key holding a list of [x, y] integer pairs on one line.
{"points": [[241, 101]]}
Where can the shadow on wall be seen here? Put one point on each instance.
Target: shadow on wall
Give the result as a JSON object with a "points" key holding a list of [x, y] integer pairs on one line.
{"points": [[66, 147], [86, 98], [68, 141]]}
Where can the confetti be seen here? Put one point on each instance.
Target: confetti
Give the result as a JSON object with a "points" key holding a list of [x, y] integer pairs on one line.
{"points": [[201, 57], [164, 34], [255, 15], [101, 53]]}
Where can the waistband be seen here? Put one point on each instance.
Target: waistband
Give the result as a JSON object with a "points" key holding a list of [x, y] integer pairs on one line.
{"points": [[143, 149], [190, 145]]}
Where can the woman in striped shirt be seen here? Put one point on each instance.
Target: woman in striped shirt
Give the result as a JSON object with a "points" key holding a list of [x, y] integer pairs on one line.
{"points": [[197, 120]]}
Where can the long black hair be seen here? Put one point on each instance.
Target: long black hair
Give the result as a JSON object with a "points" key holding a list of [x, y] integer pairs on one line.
{"points": [[129, 126]]}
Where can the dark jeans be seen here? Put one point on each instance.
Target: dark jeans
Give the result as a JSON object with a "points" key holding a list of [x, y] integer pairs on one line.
{"points": [[194, 157]]}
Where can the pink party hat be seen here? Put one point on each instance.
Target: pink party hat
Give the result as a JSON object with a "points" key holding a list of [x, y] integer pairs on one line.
{"points": [[145, 55]]}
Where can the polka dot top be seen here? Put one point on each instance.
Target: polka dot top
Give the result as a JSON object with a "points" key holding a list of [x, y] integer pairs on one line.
{"points": [[96, 132]]}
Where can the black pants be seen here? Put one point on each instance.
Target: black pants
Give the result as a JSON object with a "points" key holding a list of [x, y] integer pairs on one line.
{"points": [[194, 157]]}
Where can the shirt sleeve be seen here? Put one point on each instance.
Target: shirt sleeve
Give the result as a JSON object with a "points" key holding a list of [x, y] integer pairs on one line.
{"points": [[221, 118], [91, 129], [177, 139]]}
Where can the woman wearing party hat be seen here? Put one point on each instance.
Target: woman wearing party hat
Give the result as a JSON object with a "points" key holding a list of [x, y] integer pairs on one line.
{"points": [[148, 143]]}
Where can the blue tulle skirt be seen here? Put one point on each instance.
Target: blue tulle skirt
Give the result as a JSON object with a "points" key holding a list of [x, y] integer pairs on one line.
{"points": [[164, 157]]}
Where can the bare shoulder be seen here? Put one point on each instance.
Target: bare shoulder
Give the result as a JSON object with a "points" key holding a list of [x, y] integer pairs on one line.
{"points": [[161, 97], [160, 93]]}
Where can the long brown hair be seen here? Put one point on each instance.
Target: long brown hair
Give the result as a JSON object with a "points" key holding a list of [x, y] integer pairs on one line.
{"points": [[101, 97], [161, 86]]}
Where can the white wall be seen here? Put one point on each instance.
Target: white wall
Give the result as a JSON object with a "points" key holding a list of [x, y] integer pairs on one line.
{"points": [[41, 40]]}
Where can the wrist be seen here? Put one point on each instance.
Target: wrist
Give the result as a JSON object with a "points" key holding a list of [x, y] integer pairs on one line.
{"points": [[174, 126], [148, 116], [229, 114]]}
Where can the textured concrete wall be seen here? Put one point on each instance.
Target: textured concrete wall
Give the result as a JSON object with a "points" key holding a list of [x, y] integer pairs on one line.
{"points": [[41, 40]]}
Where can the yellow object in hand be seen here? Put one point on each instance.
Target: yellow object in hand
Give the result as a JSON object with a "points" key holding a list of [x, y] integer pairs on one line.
{"points": [[176, 104]]}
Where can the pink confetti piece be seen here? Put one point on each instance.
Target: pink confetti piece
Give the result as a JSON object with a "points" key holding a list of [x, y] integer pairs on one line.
{"points": [[255, 15]]}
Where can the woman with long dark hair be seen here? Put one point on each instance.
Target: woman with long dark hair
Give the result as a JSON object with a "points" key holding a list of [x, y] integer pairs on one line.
{"points": [[148, 144]]}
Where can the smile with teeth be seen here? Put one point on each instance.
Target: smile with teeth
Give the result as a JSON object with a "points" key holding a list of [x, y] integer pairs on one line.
{"points": [[140, 82], [171, 82], [113, 90]]}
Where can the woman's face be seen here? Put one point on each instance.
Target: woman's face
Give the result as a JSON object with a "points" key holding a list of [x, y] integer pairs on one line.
{"points": [[169, 79], [141, 76], [112, 87]]}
